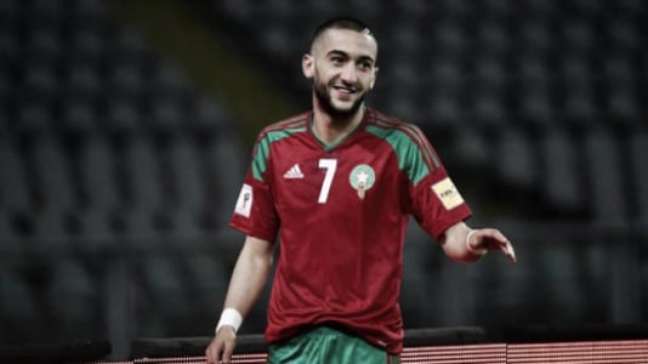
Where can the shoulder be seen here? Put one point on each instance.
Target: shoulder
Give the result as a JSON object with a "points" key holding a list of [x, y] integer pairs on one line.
{"points": [[284, 128], [272, 133], [407, 139], [388, 126]]}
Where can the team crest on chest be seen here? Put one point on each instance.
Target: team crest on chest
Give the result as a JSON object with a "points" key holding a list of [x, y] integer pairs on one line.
{"points": [[362, 178]]}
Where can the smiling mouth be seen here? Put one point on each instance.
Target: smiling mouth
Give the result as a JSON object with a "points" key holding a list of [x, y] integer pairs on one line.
{"points": [[345, 90]]}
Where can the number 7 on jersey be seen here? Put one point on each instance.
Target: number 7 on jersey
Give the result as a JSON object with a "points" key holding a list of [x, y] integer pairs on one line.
{"points": [[330, 165]]}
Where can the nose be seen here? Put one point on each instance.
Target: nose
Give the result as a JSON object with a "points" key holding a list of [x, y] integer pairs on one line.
{"points": [[349, 74]]}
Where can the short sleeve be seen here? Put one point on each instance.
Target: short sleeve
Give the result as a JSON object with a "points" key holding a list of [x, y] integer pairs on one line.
{"points": [[437, 203], [433, 198], [255, 213]]}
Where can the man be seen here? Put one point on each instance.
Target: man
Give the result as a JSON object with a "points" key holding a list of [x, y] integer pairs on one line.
{"points": [[338, 184]]}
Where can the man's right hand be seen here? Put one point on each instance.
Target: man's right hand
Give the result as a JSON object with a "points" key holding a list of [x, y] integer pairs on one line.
{"points": [[222, 346]]}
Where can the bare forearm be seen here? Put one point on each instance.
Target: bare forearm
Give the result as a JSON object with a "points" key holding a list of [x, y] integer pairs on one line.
{"points": [[250, 275]]}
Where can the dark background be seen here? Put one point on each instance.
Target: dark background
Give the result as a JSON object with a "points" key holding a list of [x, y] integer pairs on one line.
{"points": [[126, 127]]}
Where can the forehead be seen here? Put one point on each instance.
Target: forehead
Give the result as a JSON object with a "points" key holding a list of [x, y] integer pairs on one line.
{"points": [[346, 40]]}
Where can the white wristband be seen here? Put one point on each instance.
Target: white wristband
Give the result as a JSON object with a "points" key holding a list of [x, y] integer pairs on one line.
{"points": [[230, 317], [470, 248]]}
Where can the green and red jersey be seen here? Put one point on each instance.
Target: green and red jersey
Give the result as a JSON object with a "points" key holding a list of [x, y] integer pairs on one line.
{"points": [[340, 213]]}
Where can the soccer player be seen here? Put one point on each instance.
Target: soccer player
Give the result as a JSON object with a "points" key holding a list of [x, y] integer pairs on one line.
{"points": [[337, 184]]}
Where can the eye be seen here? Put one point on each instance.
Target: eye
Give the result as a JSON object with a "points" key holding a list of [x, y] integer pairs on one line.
{"points": [[365, 65], [337, 60]]}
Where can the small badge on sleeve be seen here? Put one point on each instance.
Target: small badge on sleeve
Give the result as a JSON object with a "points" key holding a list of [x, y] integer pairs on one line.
{"points": [[447, 193], [244, 202]]}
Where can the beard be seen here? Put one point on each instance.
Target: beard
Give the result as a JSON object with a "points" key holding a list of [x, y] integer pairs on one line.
{"points": [[324, 99]]}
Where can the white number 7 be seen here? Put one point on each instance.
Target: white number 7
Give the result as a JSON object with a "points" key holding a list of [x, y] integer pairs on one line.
{"points": [[330, 165]]}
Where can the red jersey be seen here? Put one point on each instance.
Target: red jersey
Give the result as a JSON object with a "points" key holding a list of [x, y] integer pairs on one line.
{"points": [[341, 213]]}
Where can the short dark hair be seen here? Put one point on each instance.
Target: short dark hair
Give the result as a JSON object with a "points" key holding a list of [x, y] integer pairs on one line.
{"points": [[342, 22]]}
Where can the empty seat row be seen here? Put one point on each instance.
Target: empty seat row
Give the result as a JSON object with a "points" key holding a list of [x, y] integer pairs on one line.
{"points": [[544, 63], [142, 173], [597, 176], [73, 297], [531, 109]]}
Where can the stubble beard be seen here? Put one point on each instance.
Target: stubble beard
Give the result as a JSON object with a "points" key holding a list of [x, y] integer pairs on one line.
{"points": [[325, 102]]}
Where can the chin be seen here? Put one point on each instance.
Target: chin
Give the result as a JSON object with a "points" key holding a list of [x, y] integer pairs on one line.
{"points": [[344, 106], [336, 107]]}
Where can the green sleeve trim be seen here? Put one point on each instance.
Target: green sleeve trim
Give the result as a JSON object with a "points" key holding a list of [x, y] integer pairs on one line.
{"points": [[408, 152], [260, 159]]}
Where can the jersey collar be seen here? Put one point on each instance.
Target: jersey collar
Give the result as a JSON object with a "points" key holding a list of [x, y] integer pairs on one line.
{"points": [[331, 146]]}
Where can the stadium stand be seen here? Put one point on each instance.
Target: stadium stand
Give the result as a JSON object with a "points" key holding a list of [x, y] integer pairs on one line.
{"points": [[105, 149], [118, 175]]}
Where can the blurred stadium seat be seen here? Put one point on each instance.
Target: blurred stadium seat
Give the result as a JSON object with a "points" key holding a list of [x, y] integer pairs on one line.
{"points": [[563, 180], [639, 152], [608, 195], [109, 150], [16, 195]]}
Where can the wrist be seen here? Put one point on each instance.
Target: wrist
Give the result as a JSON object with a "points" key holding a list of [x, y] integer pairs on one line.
{"points": [[230, 317]]}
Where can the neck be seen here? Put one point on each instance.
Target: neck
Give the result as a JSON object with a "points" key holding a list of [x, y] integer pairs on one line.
{"points": [[329, 129]]}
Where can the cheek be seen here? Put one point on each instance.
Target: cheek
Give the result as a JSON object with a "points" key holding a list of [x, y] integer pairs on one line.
{"points": [[326, 73], [325, 79], [367, 81]]}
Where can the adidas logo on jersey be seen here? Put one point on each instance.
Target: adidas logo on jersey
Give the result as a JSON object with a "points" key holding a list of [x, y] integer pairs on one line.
{"points": [[294, 172]]}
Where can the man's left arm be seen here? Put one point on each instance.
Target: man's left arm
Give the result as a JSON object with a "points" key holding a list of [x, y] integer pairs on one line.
{"points": [[461, 243]]}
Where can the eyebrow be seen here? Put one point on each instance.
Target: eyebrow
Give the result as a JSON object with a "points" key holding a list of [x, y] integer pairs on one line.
{"points": [[345, 54]]}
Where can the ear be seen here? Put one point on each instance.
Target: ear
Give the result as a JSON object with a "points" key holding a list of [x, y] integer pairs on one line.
{"points": [[373, 78], [308, 66]]}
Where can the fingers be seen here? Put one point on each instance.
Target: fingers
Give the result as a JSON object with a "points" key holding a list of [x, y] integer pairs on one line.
{"points": [[473, 248], [213, 353], [489, 239], [508, 250], [227, 352], [502, 243], [494, 239], [494, 235], [220, 350]]}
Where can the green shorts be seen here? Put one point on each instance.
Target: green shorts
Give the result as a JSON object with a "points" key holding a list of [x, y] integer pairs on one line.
{"points": [[325, 345]]}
